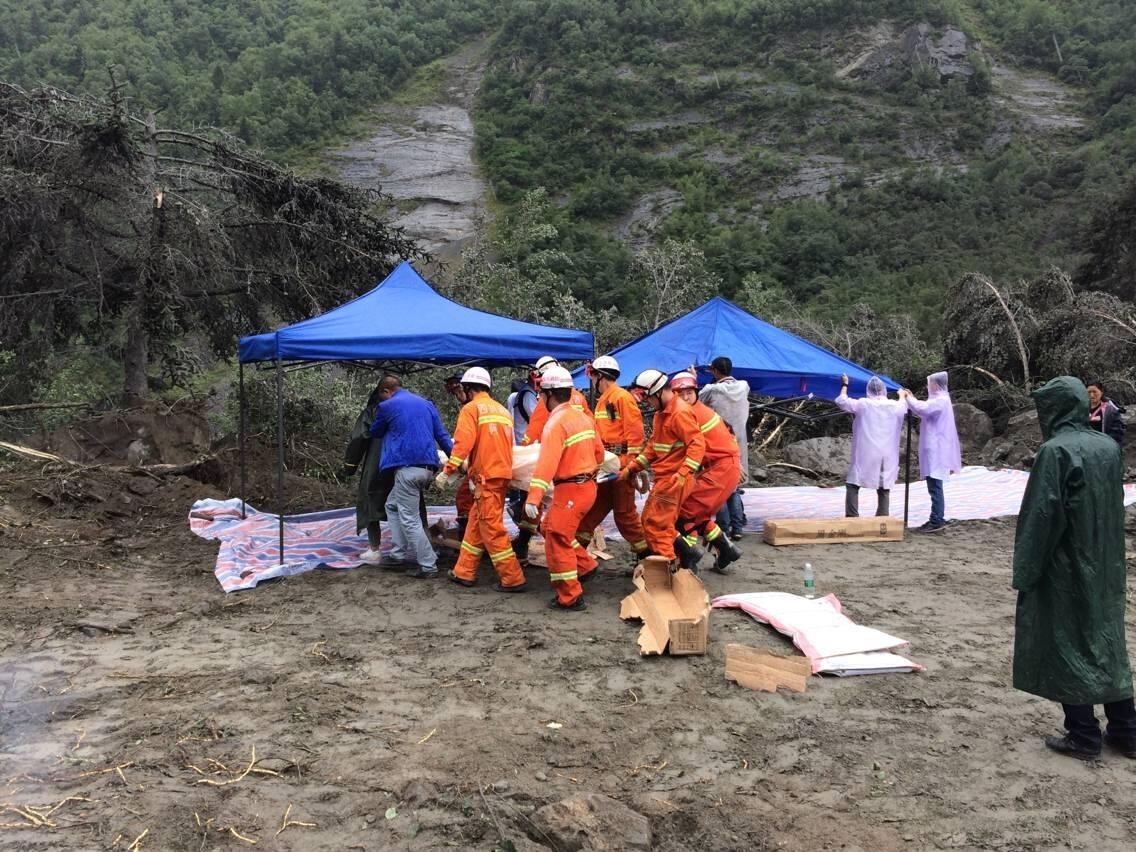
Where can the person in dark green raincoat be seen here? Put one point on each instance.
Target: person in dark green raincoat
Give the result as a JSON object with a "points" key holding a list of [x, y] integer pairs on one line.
{"points": [[1070, 573], [363, 452]]}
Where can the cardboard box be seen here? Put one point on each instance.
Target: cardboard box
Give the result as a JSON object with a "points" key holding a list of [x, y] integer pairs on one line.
{"points": [[755, 668], [674, 609], [832, 530]]}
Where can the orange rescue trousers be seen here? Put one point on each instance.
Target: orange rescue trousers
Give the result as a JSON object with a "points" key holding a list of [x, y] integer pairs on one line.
{"points": [[712, 487], [567, 560], [486, 532], [463, 502], [617, 497], [660, 514]]}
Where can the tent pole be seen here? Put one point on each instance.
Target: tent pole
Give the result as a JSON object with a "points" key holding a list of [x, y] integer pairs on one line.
{"points": [[242, 430], [280, 450], [907, 475]]}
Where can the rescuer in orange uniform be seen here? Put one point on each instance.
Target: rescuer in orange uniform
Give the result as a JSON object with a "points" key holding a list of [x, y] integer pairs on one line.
{"points": [[674, 454], [570, 452], [463, 497], [527, 527], [484, 438], [715, 482], [619, 424]]}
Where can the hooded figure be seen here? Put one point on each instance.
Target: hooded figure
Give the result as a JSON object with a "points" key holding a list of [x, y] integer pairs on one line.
{"points": [[876, 426], [1070, 573], [364, 452], [939, 451]]}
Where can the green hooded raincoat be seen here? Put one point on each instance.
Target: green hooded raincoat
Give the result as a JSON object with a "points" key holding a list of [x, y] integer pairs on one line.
{"points": [[1069, 566]]}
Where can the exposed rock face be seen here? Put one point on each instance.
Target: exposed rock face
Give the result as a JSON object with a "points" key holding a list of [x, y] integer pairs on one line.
{"points": [[975, 428], [423, 158], [589, 821], [638, 227], [892, 56], [829, 456], [1016, 446]]}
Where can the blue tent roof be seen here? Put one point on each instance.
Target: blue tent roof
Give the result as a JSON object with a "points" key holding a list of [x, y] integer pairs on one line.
{"points": [[774, 362], [404, 319]]}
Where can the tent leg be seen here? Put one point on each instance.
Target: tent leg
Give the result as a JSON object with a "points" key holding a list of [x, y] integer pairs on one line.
{"points": [[242, 430], [907, 474], [280, 451]]}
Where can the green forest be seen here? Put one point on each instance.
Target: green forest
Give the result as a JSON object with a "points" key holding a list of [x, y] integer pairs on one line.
{"points": [[588, 107]]}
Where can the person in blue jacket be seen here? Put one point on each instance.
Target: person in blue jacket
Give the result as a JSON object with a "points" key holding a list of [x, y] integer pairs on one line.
{"points": [[412, 433]]}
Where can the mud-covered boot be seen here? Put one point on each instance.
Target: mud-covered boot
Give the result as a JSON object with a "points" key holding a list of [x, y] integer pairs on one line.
{"points": [[688, 553], [727, 552]]}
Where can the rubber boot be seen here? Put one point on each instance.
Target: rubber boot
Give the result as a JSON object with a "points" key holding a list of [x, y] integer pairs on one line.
{"points": [[688, 554], [727, 553]]}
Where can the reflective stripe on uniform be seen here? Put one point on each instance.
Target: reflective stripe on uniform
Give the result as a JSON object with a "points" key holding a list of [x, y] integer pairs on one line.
{"points": [[502, 555], [457, 461], [563, 576], [641, 460], [539, 483], [691, 540], [469, 548], [494, 418], [638, 546], [691, 463], [713, 534], [580, 436], [711, 423]]}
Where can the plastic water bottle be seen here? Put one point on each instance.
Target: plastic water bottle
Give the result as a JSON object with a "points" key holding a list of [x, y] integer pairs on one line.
{"points": [[810, 581]]}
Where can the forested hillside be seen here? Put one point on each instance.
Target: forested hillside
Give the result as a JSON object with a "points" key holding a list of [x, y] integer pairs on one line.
{"points": [[284, 76], [738, 126], [807, 158]]}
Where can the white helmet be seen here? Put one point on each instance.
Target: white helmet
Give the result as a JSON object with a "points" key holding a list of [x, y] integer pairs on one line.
{"points": [[477, 376], [555, 376], [649, 382], [606, 364], [544, 362]]}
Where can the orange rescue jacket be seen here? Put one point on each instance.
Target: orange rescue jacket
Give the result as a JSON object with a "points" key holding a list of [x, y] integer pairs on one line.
{"points": [[720, 440], [569, 447], [540, 416], [676, 445], [484, 438], [619, 423]]}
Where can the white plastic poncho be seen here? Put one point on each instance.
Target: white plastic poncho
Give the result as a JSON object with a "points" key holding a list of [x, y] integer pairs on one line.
{"points": [[939, 451], [877, 423], [730, 399]]}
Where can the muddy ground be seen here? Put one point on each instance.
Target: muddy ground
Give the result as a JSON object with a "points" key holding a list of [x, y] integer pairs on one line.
{"points": [[142, 708]]}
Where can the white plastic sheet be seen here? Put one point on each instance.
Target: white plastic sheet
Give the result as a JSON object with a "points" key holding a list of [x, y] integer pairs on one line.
{"points": [[831, 640]]}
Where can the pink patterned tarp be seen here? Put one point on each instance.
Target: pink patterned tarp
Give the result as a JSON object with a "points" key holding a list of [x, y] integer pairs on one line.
{"points": [[249, 551]]}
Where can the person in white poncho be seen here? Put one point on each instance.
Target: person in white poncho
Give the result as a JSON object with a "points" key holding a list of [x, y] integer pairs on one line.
{"points": [[877, 423]]}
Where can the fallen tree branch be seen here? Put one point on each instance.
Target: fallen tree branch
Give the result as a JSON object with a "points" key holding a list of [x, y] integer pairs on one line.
{"points": [[39, 406], [806, 470], [140, 470]]}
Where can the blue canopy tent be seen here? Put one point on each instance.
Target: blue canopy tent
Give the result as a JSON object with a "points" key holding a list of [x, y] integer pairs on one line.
{"points": [[773, 361], [403, 319]]}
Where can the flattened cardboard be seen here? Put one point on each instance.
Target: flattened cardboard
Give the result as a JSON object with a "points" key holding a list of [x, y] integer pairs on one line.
{"points": [[674, 608], [832, 530], [758, 669]]}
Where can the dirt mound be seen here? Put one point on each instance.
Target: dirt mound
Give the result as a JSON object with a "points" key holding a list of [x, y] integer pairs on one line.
{"points": [[155, 434]]}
